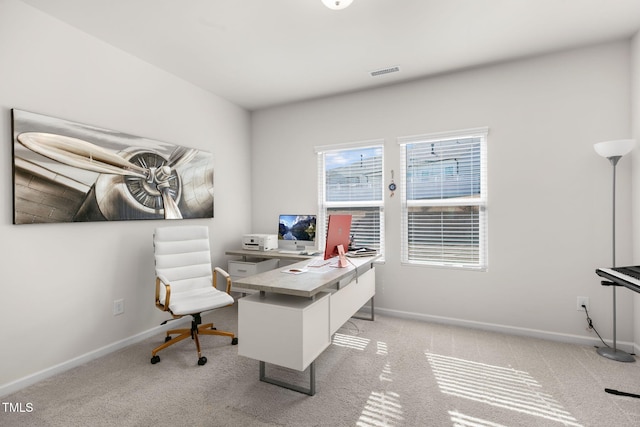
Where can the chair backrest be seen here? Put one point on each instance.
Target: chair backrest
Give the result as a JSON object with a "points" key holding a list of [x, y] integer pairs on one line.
{"points": [[182, 257]]}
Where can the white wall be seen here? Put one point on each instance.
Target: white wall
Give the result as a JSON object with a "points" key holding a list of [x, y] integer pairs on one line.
{"points": [[549, 192], [59, 281]]}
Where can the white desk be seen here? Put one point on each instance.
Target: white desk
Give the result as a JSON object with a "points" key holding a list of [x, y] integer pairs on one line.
{"points": [[291, 320]]}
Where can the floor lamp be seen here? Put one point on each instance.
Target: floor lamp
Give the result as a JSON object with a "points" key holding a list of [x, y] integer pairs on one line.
{"points": [[614, 150]]}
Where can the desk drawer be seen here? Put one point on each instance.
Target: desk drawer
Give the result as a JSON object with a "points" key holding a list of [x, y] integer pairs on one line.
{"points": [[284, 330], [250, 267], [346, 301]]}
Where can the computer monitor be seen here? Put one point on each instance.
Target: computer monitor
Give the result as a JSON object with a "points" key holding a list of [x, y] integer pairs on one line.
{"points": [[297, 232], [338, 233]]}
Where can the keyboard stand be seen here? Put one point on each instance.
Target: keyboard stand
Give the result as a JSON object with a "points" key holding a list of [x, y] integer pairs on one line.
{"points": [[621, 393], [617, 279]]}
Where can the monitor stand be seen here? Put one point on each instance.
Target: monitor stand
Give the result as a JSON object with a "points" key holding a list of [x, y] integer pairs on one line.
{"points": [[342, 257]]}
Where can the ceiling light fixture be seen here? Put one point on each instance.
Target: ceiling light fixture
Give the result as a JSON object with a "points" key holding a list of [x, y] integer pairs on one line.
{"points": [[337, 4]]}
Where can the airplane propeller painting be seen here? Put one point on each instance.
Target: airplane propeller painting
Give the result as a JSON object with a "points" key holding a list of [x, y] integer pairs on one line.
{"points": [[69, 172]]}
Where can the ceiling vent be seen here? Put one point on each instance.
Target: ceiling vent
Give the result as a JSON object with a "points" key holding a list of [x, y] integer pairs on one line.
{"points": [[384, 71]]}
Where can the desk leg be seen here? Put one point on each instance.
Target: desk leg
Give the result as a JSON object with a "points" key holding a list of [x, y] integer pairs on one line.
{"points": [[312, 380], [372, 318]]}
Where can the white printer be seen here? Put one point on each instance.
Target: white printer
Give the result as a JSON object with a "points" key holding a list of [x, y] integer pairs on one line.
{"points": [[260, 242]]}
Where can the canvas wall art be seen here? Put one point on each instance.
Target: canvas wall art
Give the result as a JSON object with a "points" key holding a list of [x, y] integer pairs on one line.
{"points": [[65, 171]]}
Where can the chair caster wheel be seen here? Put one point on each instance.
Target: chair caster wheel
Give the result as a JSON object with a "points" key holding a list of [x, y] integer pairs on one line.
{"points": [[202, 361], [234, 341], [155, 359], [167, 338]]}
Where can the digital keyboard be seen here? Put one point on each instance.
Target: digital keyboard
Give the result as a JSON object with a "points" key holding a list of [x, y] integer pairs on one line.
{"points": [[628, 277]]}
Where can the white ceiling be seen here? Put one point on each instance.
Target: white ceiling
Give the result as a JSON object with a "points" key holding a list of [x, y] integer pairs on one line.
{"points": [[259, 53]]}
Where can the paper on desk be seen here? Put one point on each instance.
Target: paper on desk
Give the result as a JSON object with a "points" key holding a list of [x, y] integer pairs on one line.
{"points": [[295, 270]]}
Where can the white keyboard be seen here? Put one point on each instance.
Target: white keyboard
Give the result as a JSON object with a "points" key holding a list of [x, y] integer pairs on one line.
{"points": [[627, 280], [319, 262], [290, 252], [323, 264]]}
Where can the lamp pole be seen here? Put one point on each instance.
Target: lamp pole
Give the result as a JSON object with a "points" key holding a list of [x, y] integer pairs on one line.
{"points": [[614, 162], [608, 352]]}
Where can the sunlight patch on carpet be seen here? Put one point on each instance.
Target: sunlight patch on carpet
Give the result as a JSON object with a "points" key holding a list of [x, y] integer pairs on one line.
{"points": [[382, 409], [496, 386], [357, 343], [382, 348], [386, 373], [461, 420]]}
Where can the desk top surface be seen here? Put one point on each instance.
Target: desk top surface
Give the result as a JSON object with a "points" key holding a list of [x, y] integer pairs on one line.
{"points": [[308, 283]]}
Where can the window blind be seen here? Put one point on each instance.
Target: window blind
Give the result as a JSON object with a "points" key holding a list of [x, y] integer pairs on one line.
{"points": [[443, 192]]}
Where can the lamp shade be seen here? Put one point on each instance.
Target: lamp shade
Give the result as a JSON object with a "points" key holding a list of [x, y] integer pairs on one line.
{"points": [[337, 4], [617, 148]]}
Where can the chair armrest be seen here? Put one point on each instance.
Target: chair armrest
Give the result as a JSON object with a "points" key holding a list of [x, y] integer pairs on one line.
{"points": [[224, 274], [160, 279], [163, 279]]}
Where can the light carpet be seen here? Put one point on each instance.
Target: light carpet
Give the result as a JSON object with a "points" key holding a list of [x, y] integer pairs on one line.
{"points": [[390, 372]]}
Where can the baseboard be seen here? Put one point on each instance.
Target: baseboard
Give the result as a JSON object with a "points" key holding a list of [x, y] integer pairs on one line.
{"points": [[21, 383], [533, 333]]}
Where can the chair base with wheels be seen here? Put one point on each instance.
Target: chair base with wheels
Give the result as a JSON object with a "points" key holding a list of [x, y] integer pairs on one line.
{"points": [[195, 330]]}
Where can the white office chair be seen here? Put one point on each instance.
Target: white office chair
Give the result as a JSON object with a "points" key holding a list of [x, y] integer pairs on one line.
{"points": [[186, 283]]}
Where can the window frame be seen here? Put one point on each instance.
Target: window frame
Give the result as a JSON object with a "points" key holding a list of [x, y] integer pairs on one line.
{"points": [[480, 202], [324, 206]]}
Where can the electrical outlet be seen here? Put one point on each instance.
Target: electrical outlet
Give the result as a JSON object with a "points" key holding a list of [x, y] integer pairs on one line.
{"points": [[582, 301], [118, 307]]}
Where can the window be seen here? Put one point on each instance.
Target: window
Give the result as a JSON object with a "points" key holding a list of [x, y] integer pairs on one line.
{"points": [[444, 199], [350, 182]]}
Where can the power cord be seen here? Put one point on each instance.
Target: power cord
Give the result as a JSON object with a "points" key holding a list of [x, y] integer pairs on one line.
{"points": [[354, 266], [590, 323], [355, 330]]}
